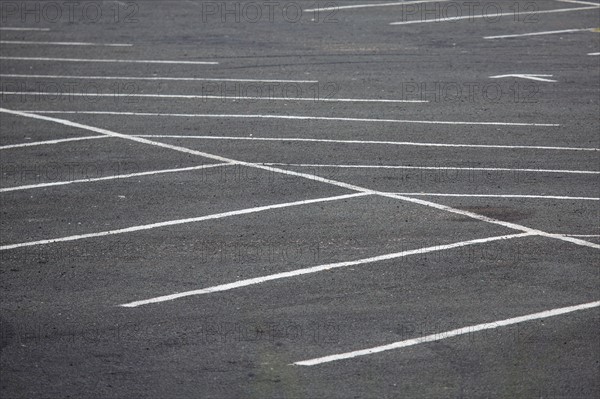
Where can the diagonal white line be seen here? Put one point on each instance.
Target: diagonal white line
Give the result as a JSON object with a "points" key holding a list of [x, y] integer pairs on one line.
{"points": [[517, 196], [316, 269], [526, 76], [180, 221], [583, 235], [114, 177], [49, 142], [449, 334], [591, 3]]}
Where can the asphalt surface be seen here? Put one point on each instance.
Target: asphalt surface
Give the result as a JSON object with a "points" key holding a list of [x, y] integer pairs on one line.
{"points": [[516, 153]]}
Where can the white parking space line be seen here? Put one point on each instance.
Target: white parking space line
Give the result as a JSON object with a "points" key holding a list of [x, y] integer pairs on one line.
{"points": [[529, 76], [492, 16], [296, 117], [31, 43], [582, 235], [181, 221], [96, 60], [368, 142], [155, 78], [317, 269], [516, 196], [17, 29], [308, 176], [593, 53], [50, 142], [355, 6], [449, 334], [591, 3], [114, 177], [205, 97], [553, 32], [308, 165]]}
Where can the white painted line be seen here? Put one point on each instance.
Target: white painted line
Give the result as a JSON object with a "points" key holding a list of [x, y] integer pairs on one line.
{"points": [[22, 42], [109, 60], [579, 2], [205, 97], [301, 118], [308, 176], [50, 142], [581, 172], [493, 16], [316, 269], [518, 196], [537, 77], [155, 78], [593, 53], [552, 32], [396, 3], [115, 177], [582, 235], [181, 221], [366, 142], [449, 334], [25, 29]]}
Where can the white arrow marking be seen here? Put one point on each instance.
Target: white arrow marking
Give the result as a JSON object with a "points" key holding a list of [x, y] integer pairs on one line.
{"points": [[537, 77]]}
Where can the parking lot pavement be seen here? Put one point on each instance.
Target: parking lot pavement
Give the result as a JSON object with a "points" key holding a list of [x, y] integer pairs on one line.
{"points": [[338, 199]]}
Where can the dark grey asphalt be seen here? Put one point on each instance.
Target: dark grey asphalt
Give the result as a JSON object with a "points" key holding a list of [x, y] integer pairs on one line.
{"points": [[62, 333]]}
